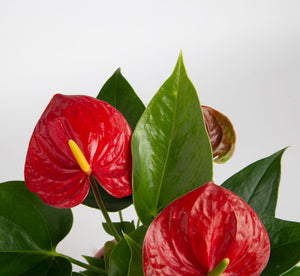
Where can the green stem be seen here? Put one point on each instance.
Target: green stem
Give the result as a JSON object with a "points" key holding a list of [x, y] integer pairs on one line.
{"points": [[81, 264], [220, 268], [102, 207], [121, 216], [138, 223]]}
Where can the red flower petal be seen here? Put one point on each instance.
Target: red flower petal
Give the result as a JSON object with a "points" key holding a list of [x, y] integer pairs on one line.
{"points": [[196, 232], [212, 227], [102, 134]]}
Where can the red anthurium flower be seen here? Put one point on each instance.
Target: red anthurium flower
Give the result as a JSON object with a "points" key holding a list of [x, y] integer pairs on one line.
{"points": [[203, 231], [78, 137]]}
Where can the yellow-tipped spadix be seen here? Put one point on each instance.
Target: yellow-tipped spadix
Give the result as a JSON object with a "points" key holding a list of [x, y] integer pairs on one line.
{"points": [[219, 269], [80, 158]]}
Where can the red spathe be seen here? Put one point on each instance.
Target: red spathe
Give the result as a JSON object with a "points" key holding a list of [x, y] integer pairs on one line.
{"points": [[196, 232], [102, 134]]}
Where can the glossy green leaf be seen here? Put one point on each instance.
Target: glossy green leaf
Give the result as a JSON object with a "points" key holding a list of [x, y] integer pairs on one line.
{"points": [[136, 259], [108, 248], [119, 260], [124, 226], [48, 267], [293, 272], [258, 184], [170, 145], [29, 233], [111, 203], [97, 267], [121, 255], [118, 93], [285, 245], [97, 262], [88, 273]]}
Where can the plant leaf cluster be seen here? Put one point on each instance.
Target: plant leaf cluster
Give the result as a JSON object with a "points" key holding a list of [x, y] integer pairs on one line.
{"points": [[171, 156]]}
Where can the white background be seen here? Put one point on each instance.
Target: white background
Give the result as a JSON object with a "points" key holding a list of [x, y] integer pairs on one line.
{"points": [[242, 56]]}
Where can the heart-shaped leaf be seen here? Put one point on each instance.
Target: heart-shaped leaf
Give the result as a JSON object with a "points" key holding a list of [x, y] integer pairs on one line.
{"points": [[58, 267], [119, 93], [29, 233], [285, 245], [170, 146], [258, 184]]}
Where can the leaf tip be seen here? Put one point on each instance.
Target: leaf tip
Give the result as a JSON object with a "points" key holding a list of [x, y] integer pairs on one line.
{"points": [[180, 57], [118, 71]]}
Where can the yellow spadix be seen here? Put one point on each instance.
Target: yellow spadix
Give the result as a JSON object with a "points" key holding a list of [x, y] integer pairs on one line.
{"points": [[80, 158]]}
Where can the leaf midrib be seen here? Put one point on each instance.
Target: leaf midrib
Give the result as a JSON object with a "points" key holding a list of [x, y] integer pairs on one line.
{"points": [[36, 252], [154, 210], [21, 230]]}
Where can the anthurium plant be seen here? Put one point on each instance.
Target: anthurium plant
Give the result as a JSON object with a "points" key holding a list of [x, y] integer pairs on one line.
{"points": [[109, 152]]}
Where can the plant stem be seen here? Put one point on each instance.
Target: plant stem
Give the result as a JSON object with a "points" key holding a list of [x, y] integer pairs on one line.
{"points": [[81, 264], [102, 207], [121, 216], [138, 223]]}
